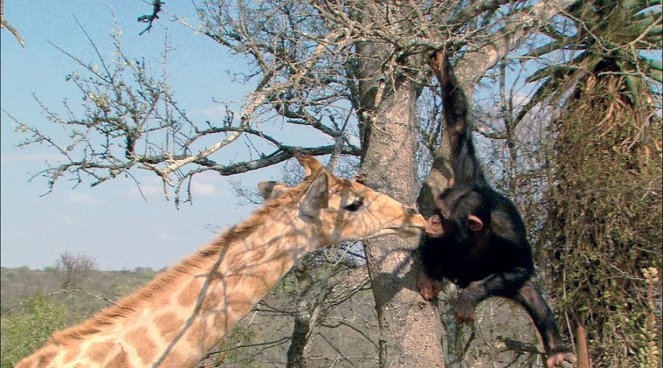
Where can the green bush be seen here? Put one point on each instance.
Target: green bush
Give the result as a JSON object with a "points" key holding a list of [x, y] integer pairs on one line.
{"points": [[26, 328]]}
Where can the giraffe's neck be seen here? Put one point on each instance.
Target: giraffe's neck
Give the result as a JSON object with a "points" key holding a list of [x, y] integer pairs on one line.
{"points": [[183, 313], [217, 296]]}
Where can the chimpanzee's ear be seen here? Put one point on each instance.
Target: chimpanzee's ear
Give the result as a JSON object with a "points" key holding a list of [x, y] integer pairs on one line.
{"points": [[475, 223]]}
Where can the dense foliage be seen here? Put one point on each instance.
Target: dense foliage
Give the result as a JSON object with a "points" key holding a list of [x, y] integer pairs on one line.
{"points": [[607, 222], [27, 328], [36, 303], [605, 191]]}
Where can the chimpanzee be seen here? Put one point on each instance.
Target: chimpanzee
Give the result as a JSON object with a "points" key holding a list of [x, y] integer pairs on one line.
{"points": [[476, 238]]}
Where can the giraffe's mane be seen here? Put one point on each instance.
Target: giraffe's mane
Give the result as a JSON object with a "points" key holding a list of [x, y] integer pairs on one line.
{"points": [[167, 279]]}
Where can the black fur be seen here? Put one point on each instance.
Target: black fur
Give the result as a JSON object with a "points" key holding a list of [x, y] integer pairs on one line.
{"points": [[500, 249], [488, 255]]}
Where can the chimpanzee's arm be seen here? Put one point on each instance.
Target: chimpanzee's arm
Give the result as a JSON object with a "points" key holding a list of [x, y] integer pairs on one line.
{"points": [[504, 284], [458, 123], [530, 298], [432, 259]]}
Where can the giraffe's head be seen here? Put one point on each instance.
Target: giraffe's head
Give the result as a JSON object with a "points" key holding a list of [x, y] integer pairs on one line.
{"points": [[342, 209]]}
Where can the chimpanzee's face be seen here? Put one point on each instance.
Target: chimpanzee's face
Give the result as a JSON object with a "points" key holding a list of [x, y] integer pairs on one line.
{"points": [[456, 218]]}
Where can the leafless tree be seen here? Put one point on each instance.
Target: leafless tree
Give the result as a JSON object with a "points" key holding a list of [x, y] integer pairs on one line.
{"points": [[349, 71], [74, 269]]}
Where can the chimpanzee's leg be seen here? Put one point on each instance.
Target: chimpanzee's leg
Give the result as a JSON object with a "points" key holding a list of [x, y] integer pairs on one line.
{"points": [[530, 298]]}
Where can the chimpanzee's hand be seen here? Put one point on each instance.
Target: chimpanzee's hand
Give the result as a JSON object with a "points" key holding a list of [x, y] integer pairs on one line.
{"points": [[428, 288], [467, 301], [437, 61], [464, 307], [556, 359]]}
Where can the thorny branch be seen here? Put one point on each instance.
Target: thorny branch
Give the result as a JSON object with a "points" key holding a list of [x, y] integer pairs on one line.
{"points": [[307, 77], [131, 120]]}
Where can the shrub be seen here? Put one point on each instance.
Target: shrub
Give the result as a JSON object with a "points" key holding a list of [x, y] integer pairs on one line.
{"points": [[27, 328]]}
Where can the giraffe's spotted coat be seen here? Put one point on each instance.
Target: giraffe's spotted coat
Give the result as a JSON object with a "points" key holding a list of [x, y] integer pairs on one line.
{"points": [[186, 310]]}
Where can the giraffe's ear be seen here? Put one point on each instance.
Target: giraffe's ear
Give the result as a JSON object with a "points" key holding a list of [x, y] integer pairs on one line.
{"points": [[272, 189], [309, 163], [316, 197]]}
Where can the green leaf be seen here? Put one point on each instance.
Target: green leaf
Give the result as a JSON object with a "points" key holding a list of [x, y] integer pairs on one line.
{"points": [[652, 63], [636, 5], [655, 31], [548, 72], [632, 83], [656, 75], [559, 70], [545, 49], [647, 18]]}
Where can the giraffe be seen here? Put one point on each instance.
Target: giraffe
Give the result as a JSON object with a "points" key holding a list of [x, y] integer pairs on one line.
{"points": [[189, 308]]}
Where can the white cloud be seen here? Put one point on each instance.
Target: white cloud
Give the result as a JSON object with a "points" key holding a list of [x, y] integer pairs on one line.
{"points": [[215, 113], [203, 189], [150, 187], [206, 184], [165, 236], [148, 191], [67, 219], [82, 198]]}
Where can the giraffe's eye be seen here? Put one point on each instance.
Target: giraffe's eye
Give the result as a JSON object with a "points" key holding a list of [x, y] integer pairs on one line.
{"points": [[355, 205]]}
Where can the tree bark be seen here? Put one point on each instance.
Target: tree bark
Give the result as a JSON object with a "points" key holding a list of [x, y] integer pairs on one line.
{"points": [[409, 326], [304, 323]]}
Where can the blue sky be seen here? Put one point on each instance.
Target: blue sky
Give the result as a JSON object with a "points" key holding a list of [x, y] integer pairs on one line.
{"points": [[110, 223]]}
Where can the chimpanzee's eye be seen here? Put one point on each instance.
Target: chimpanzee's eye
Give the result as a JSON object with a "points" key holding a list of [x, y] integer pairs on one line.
{"points": [[354, 205]]}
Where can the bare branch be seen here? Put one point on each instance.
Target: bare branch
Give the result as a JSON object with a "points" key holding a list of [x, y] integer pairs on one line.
{"points": [[4, 23]]}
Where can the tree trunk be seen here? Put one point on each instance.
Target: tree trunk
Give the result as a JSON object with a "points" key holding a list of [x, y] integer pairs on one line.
{"points": [[409, 326], [304, 324]]}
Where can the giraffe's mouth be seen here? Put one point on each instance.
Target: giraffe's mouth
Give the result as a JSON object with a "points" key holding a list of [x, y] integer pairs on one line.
{"points": [[405, 231], [408, 232], [414, 227]]}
